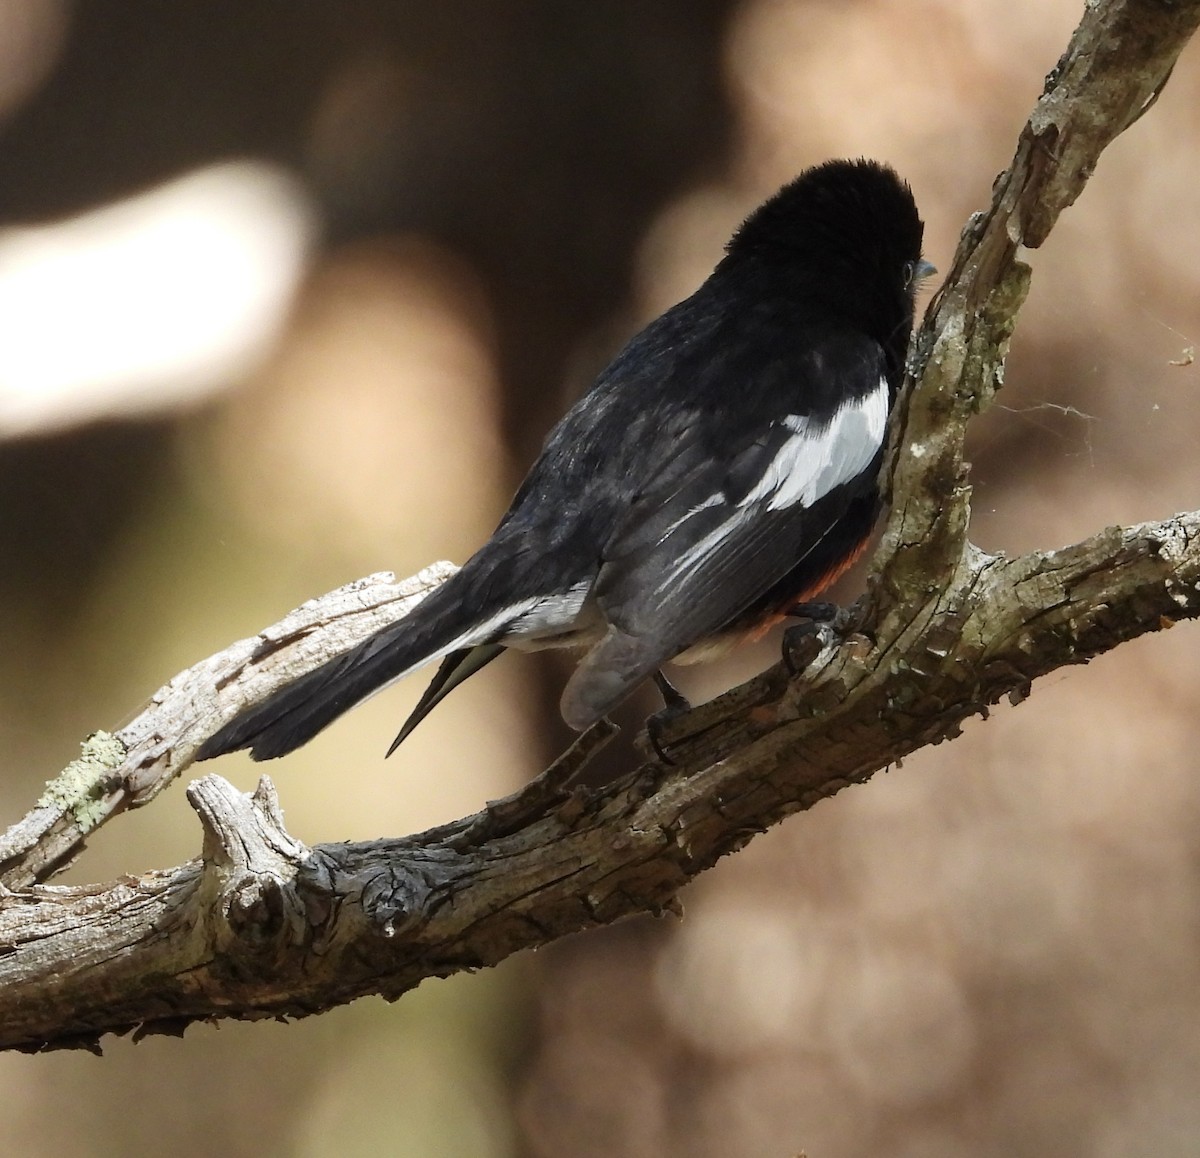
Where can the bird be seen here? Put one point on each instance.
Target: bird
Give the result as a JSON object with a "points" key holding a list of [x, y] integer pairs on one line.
{"points": [[721, 472]]}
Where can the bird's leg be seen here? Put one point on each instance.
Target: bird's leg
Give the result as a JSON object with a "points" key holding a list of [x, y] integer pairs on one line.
{"points": [[674, 701], [803, 642], [675, 704]]}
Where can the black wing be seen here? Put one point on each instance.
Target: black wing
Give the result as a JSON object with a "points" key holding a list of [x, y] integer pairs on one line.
{"points": [[714, 530]]}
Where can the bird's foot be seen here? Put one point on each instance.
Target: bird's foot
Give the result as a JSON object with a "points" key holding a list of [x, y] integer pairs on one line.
{"points": [[838, 618], [674, 701], [803, 642], [675, 704]]}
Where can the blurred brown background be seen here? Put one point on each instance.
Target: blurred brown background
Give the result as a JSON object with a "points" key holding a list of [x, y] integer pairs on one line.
{"points": [[291, 292]]}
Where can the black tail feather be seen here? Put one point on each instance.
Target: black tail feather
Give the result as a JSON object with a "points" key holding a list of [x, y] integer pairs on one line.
{"points": [[456, 667], [461, 620], [296, 713]]}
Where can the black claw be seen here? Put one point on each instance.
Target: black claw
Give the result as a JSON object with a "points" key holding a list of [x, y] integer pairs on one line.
{"points": [[674, 701], [827, 625], [655, 726], [676, 704], [802, 644]]}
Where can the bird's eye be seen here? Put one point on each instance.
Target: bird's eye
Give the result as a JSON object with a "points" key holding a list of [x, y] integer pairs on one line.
{"points": [[910, 269]]}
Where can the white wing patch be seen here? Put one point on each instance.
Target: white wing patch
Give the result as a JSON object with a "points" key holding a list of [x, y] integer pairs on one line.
{"points": [[815, 459]]}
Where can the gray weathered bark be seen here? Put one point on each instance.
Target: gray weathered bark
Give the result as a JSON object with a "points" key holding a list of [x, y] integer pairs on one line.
{"points": [[262, 926]]}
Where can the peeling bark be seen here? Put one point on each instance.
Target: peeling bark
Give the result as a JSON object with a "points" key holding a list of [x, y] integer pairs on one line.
{"points": [[262, 926]]}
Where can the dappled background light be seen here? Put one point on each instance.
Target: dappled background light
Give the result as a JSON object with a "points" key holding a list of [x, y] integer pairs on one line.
{"points": [[148, 304], [285, 301]]}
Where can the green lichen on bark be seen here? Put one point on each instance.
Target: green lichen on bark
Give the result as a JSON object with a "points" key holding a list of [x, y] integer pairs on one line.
{"points": [[81, 786]]}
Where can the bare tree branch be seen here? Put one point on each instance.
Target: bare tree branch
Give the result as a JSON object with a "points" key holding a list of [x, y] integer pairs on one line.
{"points": [[128, 768], [262, 926]]}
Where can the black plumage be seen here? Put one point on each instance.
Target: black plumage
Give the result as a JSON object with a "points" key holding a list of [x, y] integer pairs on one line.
{"points": [[722, 468]]}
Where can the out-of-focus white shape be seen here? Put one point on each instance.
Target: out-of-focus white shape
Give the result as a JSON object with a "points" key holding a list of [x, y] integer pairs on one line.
{"points": [[150, 303], [32, 33]]}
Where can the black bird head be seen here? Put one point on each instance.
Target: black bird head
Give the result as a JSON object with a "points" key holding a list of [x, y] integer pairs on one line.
{"points": [[846, 237]]}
